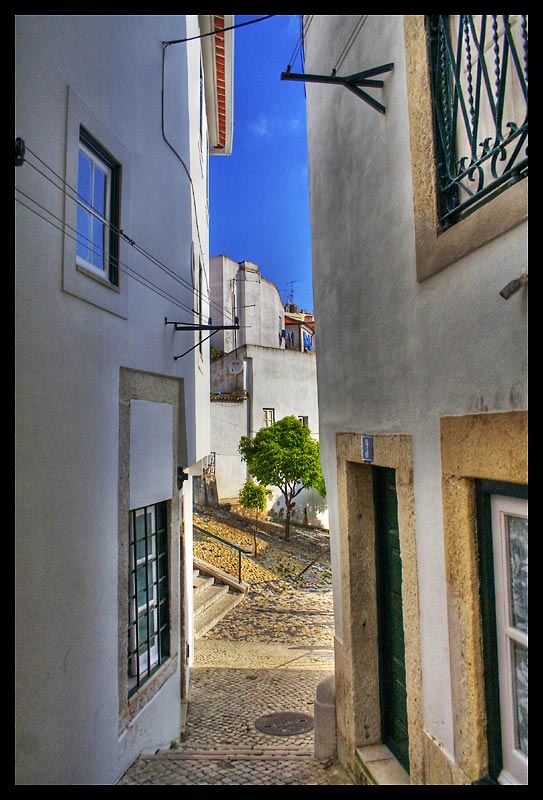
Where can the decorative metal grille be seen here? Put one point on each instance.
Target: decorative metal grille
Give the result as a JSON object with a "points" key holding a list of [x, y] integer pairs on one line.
{"points": [[479, 79]]}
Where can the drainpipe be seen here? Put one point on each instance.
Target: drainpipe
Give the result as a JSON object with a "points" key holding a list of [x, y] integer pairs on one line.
{"points": [[248, 386]]}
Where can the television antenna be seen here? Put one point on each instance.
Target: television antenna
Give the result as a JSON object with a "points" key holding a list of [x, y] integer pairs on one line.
{"points": [[291, 292]]}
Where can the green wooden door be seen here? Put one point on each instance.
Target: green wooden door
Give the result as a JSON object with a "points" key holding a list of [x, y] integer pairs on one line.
{"points": [[393, 694]]}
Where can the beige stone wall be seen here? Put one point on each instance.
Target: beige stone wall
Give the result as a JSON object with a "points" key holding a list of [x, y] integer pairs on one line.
{"points": [[357, 678], [138, 385], [435, 250], [494, 447]]}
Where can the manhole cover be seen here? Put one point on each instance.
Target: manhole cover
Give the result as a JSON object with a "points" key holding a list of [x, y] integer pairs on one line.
{"points": [[284, 723]]}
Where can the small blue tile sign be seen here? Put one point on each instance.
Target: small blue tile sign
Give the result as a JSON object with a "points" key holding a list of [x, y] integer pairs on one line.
{"points": [[367, 448]]}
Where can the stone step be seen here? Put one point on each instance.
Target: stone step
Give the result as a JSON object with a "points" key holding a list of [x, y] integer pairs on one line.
{"points": [[215, 594], [222, 605], [207, 597], [200, 583]]}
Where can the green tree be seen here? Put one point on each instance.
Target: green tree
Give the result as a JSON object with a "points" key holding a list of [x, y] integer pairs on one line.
{"points": [[285, 455], [253, 497]]}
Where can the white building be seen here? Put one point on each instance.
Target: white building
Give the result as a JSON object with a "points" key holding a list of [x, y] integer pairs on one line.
{"points": [[115, 118], [263, 375], [420, 293]]}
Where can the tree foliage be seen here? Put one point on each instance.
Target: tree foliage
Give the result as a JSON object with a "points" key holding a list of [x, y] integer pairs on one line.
{"points": [[284, 455], [253, 497]]}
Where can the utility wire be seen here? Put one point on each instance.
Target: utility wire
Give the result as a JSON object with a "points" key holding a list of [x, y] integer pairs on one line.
{"points": [[350, 41], [298, 45], [219, 30], [122, 267], [165, 269], [154, 260], [174, 151]]}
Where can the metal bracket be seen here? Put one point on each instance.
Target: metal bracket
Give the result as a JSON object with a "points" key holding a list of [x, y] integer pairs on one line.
{"points": [[181, 477], [351, 82], [183, 326], [19, 152]]}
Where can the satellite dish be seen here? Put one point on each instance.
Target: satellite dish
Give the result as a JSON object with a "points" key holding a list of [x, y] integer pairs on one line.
{"points": [[235, 367]]}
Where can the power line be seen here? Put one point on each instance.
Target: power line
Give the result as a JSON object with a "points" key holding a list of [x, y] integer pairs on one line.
{"points": [[350, 41], [154, 260], [79, 236], [298, 45], [121, 266], [218, 30]]}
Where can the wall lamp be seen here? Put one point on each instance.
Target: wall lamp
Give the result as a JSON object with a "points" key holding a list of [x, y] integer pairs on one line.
{"points": [[514, 286]]}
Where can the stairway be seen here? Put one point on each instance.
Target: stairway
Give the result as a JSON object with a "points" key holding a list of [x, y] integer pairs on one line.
{"points": [[216, 593]]}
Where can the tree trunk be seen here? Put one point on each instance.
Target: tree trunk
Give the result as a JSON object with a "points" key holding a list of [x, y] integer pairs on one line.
{"points": [[256, 528], [289, 507], [287, 521]]}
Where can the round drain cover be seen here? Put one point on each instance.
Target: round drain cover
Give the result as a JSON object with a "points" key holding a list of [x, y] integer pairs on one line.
{"points": [[284, 723]]}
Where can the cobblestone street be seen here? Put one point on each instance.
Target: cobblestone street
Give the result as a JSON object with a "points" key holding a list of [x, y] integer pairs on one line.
{"points": [[266, 656]]}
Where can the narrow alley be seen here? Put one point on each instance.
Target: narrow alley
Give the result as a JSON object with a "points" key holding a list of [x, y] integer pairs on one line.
{"points": [[266, 657]]}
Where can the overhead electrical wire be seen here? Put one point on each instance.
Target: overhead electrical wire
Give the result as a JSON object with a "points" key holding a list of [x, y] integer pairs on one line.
{"points": [[165, 45], [153, 259], [139, 249], [298, 45], [350, 41], [219, 30], [120, 265]]}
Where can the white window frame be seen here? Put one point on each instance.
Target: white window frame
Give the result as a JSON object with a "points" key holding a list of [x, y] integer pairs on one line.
{"points": [[96, 162], [268, 417], [515, 763]]}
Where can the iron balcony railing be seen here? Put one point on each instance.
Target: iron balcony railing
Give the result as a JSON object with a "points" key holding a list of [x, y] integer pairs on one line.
{"points": [[479, 83]]}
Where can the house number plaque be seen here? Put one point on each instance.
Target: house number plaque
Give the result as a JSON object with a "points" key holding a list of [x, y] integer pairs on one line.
{"points": [[367, 448]]}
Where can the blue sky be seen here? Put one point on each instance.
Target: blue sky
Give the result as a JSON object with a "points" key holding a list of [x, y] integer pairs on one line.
{"points": [[259, 204]]}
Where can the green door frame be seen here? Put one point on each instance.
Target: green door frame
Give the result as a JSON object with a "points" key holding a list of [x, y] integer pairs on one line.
{"points": [[392, 678]]}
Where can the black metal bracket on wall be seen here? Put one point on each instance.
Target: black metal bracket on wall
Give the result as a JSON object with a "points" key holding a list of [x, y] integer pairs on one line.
{"points": [[181, 477], [185, 326], [19, 151], [351, 82]]}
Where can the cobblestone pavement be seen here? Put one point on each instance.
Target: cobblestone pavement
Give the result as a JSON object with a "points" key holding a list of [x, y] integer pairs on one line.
{"points": [[267, 655]]}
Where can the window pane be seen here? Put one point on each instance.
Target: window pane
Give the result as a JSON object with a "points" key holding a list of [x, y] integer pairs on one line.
{"points": [[98, 233], [147, 595], [142, 630], [139, 524], [520, 657], [517, 532], [142, 588], [83, 233], [99, 198], [160, 511], [84, 173]]}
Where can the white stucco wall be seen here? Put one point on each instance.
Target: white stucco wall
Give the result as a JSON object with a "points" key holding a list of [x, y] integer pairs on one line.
{"points": [[242, 291], [284, 380], [228, 425], [394, 355], [69, 355]]}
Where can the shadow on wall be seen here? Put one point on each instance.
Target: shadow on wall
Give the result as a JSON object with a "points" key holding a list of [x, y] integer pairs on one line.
{"points": [[310, 509]]}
